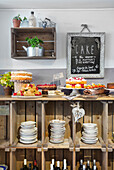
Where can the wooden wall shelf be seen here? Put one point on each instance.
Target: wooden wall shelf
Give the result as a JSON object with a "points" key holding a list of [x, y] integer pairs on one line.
{"points": [[18, 36], [44, 110]]}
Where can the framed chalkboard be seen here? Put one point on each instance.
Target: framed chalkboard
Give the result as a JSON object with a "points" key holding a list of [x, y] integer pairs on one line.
{"points": [[85, 55]]}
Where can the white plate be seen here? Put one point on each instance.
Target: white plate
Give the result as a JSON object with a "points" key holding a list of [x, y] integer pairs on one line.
{"points": [[89, 140], [28, 138], [52, 141], [28, 142], [26, 129], [89, 135], [26, 97], [72, 88], [111, 90], [28, 123], [56, 121], [88, 125]]}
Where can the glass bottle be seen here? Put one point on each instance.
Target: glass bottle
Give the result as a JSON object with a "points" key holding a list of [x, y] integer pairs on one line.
{"points": [[25, 165], [81, 165], [58, 165], [88, 166], [30, 166], [35, 165], [94, 167], [53, 163], [51, 167], [84, 168], [32, 20], [64, 165]]}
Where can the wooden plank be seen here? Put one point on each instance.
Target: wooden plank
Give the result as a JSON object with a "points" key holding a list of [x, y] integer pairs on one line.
{"points": [[64, 145], [67, 114], [52, 98], [12, 161], [46, 45], [4, 144], [35, 29], [43, 36], [58, 114], [98, 145], [23, 56], [97, 116], [2, 156], [38, 119], [87, 119], [43, 160]]}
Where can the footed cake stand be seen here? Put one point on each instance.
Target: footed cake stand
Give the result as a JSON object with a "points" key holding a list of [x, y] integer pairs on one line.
{"points": [[75, 91]]}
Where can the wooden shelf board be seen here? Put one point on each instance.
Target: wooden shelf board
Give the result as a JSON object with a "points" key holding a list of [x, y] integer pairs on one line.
{"points": [[111, 143], [64, 145], [4, 144], [67, 144], [19, 145], [34, 57], [28, 29], [51, 98], [90, 146]]}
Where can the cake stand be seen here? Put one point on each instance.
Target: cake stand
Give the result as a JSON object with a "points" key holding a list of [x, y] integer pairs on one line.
{"points": [[75, 91]]}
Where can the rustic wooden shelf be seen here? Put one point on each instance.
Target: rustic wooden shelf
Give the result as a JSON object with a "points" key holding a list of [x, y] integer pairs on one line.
{"points": [[19, 145], [4, 144], [44, 109], [67, 144], [99, 145], [54, 98], [18, 36], [35, 57]]}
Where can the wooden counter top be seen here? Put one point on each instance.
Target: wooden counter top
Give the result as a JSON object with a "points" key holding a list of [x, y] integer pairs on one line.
{"points": [[56, 98]]}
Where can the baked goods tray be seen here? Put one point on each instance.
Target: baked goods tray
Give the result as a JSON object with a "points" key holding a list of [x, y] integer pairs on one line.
{"points": [[72, 88], [111, 90], [26, 97]]}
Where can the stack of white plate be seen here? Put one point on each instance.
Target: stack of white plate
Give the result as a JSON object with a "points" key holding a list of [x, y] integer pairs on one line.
{"points": [[89, 135], [28, 132], [57, 131]]}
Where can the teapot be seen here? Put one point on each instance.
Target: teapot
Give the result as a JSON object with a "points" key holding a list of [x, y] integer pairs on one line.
{"points": [[34, 51]]}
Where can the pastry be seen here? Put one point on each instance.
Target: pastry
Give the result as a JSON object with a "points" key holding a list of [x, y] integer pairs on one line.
{"points": [[28, 90], [110, 85], [47, 86], [76, 82]]}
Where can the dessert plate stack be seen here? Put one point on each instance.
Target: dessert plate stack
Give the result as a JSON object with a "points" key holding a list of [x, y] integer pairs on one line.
{"points": [[90, 132], [28, 132], [57, 131]]}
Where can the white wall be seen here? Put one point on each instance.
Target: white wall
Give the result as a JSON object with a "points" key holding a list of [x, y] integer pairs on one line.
{"points": [[99, 20]]}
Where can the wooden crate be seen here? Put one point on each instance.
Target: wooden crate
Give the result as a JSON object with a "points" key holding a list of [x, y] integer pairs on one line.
{"points": [[18, 36], [42, 110]]}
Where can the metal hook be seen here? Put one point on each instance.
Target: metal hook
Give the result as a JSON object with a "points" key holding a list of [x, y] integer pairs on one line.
{"points": [[85, 26]]}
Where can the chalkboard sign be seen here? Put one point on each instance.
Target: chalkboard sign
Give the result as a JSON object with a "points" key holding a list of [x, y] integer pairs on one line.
{"points": [[85, 55]]}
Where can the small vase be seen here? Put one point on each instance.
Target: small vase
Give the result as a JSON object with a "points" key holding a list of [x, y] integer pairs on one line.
{"points": [[16, 23], [7, 91]]}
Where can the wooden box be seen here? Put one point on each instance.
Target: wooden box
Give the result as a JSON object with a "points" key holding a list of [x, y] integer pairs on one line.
{"points": [[18, 36]]}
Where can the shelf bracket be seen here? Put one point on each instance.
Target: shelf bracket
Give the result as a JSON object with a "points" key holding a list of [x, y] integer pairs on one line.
{"points": [[71, 145], [7, 149]]}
